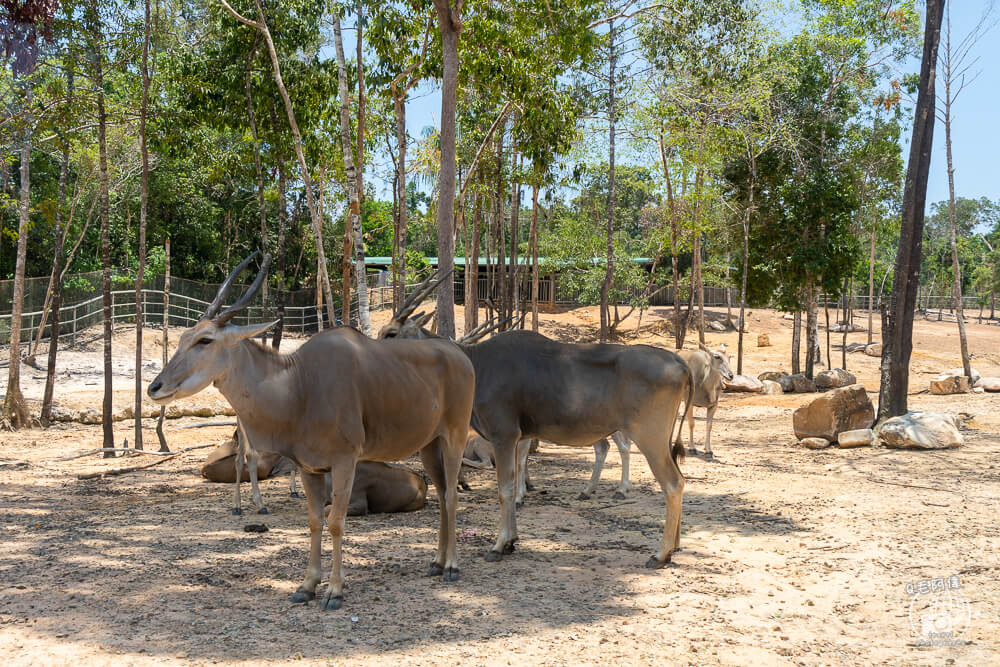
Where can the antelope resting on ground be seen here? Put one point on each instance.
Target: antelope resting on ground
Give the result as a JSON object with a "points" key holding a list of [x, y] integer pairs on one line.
{"points": [[340, 398], [710, 370], [528, 386]]}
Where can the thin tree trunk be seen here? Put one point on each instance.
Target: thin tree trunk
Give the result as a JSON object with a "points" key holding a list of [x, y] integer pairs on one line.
{"points": [[472, 265], [898, 318], [450, 25], [107, 407], [317, 224], [609, 272], [871, 280], [796, 341], [534, 258], [319, 266], [515, 218], [166, 338], [261, 207], [282, 225], [143, 207], [746, 263], [57, 256], [399, 243], [359, 245], [15, 411]]}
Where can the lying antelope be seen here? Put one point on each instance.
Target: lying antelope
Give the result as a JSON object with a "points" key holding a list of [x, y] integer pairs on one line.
{"points": [[340, 398], [528, 386]]}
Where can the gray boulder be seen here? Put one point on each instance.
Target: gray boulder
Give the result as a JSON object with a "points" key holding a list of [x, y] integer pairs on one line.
{"points": [[797, 384], [920, 430], [839, 410], [834, 378]]}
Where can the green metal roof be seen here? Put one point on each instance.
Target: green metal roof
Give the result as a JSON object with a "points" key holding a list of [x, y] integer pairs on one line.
{"points": [[460, 261]]}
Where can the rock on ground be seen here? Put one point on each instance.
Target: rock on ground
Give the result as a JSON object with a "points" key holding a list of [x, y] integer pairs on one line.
{"points": [[920, 430], [843, 409], [771, 388], [763, 340], [798, 384], [949, 384], [874, 350], [772, 375], [815, 443], [834, 378], [961, 371], [744, 383], [863, 437], [716, 326]]}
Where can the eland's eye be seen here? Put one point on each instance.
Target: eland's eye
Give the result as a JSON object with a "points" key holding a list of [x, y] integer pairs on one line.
{"points": [[203, 341]]}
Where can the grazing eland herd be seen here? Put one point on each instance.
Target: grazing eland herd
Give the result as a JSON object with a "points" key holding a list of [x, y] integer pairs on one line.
{"points": [[343, 405]]}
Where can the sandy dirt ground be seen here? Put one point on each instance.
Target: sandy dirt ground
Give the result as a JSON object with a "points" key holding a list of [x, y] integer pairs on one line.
{"points": [[789, 556]]}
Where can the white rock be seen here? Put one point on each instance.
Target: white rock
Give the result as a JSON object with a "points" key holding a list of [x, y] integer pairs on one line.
{"points": [[874, 350], [920, 430], [744, 383], [815, 443], [771, 388], [862, 437], [988, 384], [961, 371], [978, 390]]}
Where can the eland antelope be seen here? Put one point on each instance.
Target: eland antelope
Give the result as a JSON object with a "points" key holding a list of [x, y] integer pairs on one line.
{"points": [[529, 386], [339, 399]]}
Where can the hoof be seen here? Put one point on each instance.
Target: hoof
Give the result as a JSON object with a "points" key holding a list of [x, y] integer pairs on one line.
{"points": [[494, 556], [583, 496], [294, 494], [509, 547], [655, 563], [332, 602], [519, 505], [263, 510], [435, 570], [709, 456], [619, 495], [301, 597], [693, 451], [464, 486], [529, 486], [451, 574], [237, 511]]}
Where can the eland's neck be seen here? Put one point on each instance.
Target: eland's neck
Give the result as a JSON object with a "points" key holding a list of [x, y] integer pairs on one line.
{"points": [[260, 386]]}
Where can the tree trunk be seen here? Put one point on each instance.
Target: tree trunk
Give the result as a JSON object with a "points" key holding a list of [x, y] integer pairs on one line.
{"points": [[698, 287], [871, 281], [282, 225], [360, 274], [166, 338], [143, 207], [107, 407], [512, 267], [963, 341], [15, 412], [897, 334], [57, 256], [261, 207], [847, 326], [472, 265], [609, 272], [796, 341], [812, 326], [450, 25], [746, 267], [534, 258], [317, 222], [399, 242]]}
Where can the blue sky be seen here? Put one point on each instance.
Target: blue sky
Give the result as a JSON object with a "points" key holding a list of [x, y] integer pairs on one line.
{"points": [[975, 130]]}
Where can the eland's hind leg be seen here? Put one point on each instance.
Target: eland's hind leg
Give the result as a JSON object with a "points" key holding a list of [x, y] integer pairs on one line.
{"points": [[342, 478], [624, 451], [654, 442], [505, 451], [523, 447], [433, 457], [601, 448]]}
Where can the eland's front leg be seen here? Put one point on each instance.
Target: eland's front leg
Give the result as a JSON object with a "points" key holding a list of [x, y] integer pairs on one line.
{"points": [[342, 478], [315, 488], [601, 448], [505, 451]]}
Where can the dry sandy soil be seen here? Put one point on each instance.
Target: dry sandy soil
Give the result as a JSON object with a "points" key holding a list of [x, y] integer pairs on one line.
{"points": [[789, 556]]}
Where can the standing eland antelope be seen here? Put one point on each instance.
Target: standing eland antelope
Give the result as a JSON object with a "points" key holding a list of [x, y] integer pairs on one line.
{"points": [[340, 398], [529, 386], [710, 370]]}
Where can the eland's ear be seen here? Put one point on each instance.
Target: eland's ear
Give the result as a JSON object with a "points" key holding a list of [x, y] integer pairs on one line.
{"points": [[235, 333]]}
